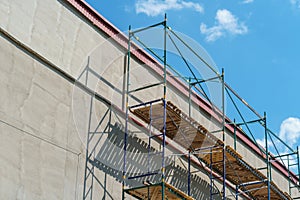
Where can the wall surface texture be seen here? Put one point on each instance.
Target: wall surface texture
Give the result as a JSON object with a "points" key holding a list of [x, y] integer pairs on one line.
{"points": [[48, 107]]}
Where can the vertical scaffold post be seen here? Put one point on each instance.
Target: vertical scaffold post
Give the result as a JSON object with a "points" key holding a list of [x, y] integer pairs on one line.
{"points": [[224, 137], [189, 174], [267, 157], [289, 174], [165, 108], [236, 187], [126, 113], [236, 192], [190, 97], [234, 134], [211, 191], [149, 139], [298, 165]]}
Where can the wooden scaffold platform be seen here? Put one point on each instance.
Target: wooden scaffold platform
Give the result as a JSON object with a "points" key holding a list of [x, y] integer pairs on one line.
{"points": [[188, 133], [154, 192]]}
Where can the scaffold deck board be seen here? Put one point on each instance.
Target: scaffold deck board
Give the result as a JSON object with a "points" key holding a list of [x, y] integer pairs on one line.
{"points": [[260, 191], [179, 127], [237, 170], [154, 192], [192, 136]]}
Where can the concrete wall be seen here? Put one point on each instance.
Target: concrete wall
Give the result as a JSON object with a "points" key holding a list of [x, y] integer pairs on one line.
{"points": [[45, 116], [42, 156]]}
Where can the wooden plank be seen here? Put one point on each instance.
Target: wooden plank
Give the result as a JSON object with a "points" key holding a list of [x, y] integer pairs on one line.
{"points": [[155, 192], [182, 194], [191, 135]]}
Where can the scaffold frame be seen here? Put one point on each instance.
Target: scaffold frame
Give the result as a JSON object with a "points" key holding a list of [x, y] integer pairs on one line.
{"points": [[241, 189], [221, 174]]}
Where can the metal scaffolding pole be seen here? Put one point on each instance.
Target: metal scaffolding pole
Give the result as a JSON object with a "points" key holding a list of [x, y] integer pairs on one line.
{"points": [[298, 166], [224, 136], [267, 159], [126, 114], [165, 109], [189, 173]]}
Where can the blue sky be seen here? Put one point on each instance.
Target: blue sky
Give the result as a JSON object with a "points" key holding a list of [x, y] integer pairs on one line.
{"points": [[257, 42]]}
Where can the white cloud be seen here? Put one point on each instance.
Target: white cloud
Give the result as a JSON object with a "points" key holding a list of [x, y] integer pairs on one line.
{"points": [[295, 3], [226, 22], [290, 134], [262, 142], [247, 1], [158, 7], [290, 130]]}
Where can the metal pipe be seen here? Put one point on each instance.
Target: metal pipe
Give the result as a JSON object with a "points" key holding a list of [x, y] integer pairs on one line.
{"points": [[126, 113], [146, 28], [236, 192], [211, 176], [195, 53], [298, 165], [145, 87], [189, 174], [144, 103], [249, 122], [288, 163], [276, 149], [278, 138], [252, 183], [190, 69], [143, 175], [224, 137], [159, 58], [205, 80], [283, 155], [243, 101], [243, 119], [149, 142], [267, 157], [190, 93], [234, 132], [165, 108]]}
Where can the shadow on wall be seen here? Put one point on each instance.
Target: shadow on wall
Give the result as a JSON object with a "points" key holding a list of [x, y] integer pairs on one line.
{"points": [[109, 159], [200, 189]]}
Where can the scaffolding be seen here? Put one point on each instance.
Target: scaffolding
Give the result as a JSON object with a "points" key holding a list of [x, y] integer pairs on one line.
{"points": [[224, 166]]}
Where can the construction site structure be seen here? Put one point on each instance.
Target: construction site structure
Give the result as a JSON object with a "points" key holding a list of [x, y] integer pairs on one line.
{"points": [[224, 162], [88, 112]]}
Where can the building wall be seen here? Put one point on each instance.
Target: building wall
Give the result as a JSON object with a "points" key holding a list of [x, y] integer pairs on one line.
{"points": [[45, 113]]}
